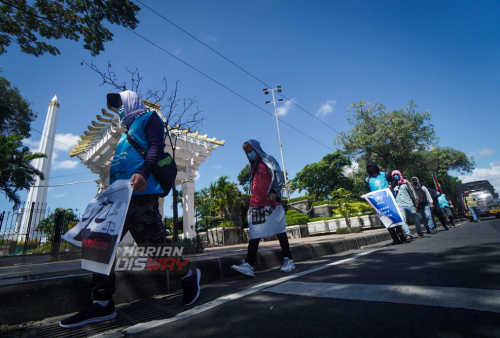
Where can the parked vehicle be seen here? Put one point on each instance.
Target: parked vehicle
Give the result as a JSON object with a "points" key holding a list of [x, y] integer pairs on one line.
{"points": [[488, 202]]}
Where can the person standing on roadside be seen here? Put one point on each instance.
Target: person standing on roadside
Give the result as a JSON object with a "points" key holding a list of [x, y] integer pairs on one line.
{"points": [[407, 200], [470, 204], [425, 205], [266, 216], [143, 218], [377, 180], [445, 204]]}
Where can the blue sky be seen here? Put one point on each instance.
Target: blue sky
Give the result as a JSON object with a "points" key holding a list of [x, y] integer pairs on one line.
{"points": [[325, 55]]}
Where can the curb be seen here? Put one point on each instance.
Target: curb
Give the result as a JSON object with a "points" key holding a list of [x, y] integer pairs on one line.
{"points": [[67, 294]]}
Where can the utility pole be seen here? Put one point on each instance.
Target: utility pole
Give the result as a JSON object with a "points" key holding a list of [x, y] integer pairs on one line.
{"points": [[266, 91]]}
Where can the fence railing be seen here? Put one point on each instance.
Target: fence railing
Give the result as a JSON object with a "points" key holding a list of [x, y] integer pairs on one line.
{"points": [[31, 229]]}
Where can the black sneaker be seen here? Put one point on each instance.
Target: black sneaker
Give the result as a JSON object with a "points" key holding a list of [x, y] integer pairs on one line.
{"points": [[92, 312], [428, 231], [191, 287], [433, 232]]}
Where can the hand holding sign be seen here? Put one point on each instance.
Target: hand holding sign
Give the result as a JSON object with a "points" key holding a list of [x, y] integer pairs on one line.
{"points": [[386, 207]]}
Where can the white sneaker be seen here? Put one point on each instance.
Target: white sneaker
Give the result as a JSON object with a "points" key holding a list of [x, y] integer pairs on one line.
{"points": [[287, 265], [244, 268]]}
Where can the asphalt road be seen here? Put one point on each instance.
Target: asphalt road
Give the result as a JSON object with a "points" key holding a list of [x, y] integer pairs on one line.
{"points": [[444, 285]]}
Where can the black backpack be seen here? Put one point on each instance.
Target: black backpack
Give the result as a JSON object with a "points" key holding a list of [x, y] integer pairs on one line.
{"points": [[165, 170], [422, 199]]}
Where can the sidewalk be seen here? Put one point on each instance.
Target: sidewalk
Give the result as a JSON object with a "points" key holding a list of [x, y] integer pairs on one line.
{"points": [[56, 288]]}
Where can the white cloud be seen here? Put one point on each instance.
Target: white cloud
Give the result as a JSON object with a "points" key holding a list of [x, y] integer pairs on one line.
{"points": [[351, 169], [325, 109], [66, 164], [50, 189], [60, 195], [196, 175], [482, 153], [218, 166], [32, 144], [491, 174], [212, 38], [216, 177], [284, 109], [178, 51], [65, 141]]}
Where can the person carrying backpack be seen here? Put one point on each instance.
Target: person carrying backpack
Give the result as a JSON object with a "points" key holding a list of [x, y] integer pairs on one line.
{"points": [[377, 180], [146, 130], [424, 206], [407, 200]]}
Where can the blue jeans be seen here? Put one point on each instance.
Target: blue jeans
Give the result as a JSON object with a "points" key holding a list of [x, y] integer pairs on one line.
{"points": [[414, 216], [475, 213], [426, 217]]}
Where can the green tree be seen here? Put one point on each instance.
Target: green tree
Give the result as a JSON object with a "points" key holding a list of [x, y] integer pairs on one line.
{"points": [[24, 22], [227, 198], [203, 206], [15, 111], [322, 177], [344, 199], [47, 225], [16, 171], [389, 138], [244, 179]]}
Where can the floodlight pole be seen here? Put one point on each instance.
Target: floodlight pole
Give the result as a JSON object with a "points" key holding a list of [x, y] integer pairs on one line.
{"points": [[266, 91]]}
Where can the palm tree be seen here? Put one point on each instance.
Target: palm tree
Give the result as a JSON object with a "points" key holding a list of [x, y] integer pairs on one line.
{"points": [[16, 171]]}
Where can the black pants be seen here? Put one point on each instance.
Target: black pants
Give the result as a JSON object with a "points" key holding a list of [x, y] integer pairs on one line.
{"points": [[253, 247], [440, 214], [447, 211], [146, 227]]}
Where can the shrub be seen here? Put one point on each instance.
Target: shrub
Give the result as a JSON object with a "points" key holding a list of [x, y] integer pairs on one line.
{"points": [[355, 230], [297, 220], [342, 231], [292, 212], [226, 224]]}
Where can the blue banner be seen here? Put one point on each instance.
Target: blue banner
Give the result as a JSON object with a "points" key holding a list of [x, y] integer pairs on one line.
{"points": [[387, 209]]}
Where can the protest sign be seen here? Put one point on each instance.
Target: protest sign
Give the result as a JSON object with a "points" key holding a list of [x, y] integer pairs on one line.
{"points": [[99, 230], [386, 207]]}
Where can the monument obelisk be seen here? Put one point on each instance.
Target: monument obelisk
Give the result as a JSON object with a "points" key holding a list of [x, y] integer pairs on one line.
{"points": [[37, 196]]}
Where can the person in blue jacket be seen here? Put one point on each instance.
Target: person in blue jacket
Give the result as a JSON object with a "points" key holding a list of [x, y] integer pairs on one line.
{"points": [[143, 218], [377, 180]]}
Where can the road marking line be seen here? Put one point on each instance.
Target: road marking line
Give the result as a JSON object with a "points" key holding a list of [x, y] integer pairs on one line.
{"points": [[221, 300], [463, 298]]}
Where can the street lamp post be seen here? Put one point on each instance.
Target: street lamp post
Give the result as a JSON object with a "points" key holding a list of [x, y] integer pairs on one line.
{"points": [[266, 91]]}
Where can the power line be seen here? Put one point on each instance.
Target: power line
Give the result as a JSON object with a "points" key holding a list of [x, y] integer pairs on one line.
{"points": [[225, 87], [51, 138], [75, 174], [234, 64]]}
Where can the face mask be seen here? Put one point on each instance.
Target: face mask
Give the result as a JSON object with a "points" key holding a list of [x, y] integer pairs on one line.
{"points": [[396, 177], [414, 183], [121, 112], [372, 171], [252, 156]]}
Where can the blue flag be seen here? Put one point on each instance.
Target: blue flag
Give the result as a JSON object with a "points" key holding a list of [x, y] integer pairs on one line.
{"points": [[387, 209]]}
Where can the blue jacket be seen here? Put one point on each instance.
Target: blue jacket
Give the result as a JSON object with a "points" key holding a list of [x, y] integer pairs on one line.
{"points": [[273, 167]]}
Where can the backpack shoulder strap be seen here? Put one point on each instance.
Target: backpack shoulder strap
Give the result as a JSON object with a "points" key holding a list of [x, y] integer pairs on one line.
{"points": [[136, 146]]}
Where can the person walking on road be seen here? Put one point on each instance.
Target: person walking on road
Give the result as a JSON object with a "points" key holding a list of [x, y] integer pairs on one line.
{"points": [[143, 218], [446, 205], [407, 200], [377, 180], [425, 205], [470, 204], [266, 216], [437, 211]]}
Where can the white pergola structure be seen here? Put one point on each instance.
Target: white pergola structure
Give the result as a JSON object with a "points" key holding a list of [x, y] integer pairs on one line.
{"points": [[97, 148]]}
